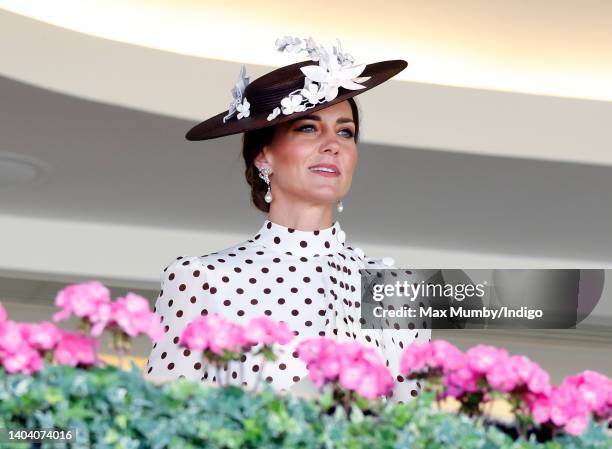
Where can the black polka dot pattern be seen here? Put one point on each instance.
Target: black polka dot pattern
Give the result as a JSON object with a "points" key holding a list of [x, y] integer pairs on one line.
{"points": [[309, 279]]}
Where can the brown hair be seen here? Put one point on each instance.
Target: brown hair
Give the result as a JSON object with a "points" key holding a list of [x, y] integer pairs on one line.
{"points": [[253, 143]]}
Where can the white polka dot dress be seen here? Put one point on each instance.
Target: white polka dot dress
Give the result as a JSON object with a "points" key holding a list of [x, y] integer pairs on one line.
{"points": [[309, 279]]}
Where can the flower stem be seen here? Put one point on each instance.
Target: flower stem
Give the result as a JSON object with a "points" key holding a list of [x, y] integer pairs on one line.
{"points": [[555, 432], [438, 391], [121, 353]]}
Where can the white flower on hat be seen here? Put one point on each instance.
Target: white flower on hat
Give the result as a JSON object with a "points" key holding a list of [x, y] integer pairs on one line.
{"points": [[335, 69], [332, 75], [243, 109], [322, 81], [237, 94], [289, 43], [312, 92], [291, 104], [274, 114], [312, 48]]}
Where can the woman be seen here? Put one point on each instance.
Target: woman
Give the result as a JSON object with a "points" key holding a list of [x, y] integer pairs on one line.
{"points": [[301, 128]]}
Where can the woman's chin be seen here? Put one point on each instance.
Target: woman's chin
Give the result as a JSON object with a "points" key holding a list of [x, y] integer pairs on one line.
{"points": [[326, 181], [322, 194], [326, 200], [326, 195]]}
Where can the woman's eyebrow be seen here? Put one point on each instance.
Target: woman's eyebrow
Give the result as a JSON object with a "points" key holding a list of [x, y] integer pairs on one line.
{"points": [[345, 120], [318, 119]]}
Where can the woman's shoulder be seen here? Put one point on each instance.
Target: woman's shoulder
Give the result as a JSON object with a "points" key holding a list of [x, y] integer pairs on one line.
{"points": [[217, 261]]}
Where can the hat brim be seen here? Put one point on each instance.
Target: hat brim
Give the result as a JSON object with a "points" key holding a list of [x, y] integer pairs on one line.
{"points": [[379, 72]]}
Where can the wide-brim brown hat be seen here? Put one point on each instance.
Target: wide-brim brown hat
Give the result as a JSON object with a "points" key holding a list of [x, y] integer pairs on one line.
{"points": [[265, 94]]}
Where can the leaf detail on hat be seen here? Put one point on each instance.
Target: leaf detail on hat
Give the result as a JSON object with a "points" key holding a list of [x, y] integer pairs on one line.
{"points": [[237, 96], [315, 73], [361, 79]]}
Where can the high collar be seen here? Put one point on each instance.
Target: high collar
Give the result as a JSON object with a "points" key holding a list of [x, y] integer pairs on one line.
{"points": [[293, 241]]}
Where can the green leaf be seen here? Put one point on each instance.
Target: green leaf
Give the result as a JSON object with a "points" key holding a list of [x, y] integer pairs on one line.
{"points": [[326, 400], [356, 414], [54, 395]]}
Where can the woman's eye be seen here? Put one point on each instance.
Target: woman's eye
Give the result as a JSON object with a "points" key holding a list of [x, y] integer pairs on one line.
{"points": [[347, 132], [306, 128]]}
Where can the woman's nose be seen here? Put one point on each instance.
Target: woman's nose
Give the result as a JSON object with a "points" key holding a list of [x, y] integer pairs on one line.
{"points": [[331, 144], [331, 148]]}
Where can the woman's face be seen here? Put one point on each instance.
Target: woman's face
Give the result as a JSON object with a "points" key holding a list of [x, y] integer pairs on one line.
{"points": [[323, 139]]}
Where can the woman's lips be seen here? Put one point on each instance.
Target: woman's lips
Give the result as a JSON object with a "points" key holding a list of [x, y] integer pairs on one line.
{"points": [[324, 173], [328, 170]]}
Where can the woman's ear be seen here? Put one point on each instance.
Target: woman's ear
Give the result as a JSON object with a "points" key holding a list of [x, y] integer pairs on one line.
{"points": [[262, 159]]}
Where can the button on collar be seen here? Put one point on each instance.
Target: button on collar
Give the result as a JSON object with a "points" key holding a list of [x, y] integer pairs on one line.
{"points": [[388, 261]]}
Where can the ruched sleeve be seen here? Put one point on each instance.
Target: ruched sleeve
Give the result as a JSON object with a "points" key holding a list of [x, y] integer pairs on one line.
{"points": [[184, 296]]}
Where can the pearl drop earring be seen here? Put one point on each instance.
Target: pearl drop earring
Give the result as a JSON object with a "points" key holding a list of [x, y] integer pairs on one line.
{"points": [[264, 174], [340, 206]]}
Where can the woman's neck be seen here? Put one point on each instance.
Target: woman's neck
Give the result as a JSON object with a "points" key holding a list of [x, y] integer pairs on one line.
{"points": [[301, 217]]}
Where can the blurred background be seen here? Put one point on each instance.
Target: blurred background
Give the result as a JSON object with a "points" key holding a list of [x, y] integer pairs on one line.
{"points": [[493, 149]]}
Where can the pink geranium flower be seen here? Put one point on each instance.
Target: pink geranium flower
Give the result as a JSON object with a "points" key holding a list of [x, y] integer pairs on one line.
{"points": [[133, 316], [481, 369], [539, 382], [482, 358], [595, 389], [438, 354], [461, 380], [503, 377], [484, 369], [76, 349], [212, 332], [518, 372], [353, 366], [16, 355], [11, 337], [24, 360], [266, 331], [230, 337], [42, 336], [564, 407], [89, 300], [311, 349], [23, 345], [416, 357]]}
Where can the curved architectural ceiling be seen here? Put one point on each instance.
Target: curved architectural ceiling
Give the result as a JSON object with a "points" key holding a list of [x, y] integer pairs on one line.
{"points": [[546, 47]]}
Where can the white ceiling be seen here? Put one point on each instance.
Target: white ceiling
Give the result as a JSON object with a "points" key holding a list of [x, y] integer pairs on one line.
{"points": [[551, 47]]}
